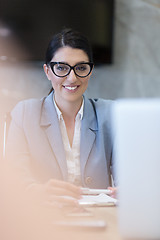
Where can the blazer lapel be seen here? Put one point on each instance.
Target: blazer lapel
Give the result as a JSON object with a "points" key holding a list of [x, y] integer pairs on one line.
{"points": [[88, 132], [49, 121]]}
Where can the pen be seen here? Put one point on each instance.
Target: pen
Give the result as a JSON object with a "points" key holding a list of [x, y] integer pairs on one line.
{"points": [[89, 191]]}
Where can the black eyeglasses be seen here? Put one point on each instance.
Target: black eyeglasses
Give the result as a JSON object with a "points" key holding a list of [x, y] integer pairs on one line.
{"points": [[61, 69]]}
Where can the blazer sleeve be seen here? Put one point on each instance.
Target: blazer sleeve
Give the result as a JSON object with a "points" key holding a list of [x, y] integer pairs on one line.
{"points": [[17, 152]]}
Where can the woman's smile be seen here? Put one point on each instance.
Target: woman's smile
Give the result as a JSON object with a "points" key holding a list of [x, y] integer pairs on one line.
{"points": [[71, 88]]}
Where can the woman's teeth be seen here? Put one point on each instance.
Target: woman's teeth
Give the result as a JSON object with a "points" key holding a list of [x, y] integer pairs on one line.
{"points": [[71, 88]]}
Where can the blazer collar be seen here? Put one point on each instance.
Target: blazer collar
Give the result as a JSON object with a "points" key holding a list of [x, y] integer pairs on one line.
{"points": [[90, 120], [89, 130], [49, 121], [48, 111]]}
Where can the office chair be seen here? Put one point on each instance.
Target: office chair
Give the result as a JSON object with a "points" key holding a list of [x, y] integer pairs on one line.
{"points": [[7, 120]]}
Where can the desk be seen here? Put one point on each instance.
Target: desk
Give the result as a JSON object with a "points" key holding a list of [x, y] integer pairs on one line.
{"points": [[31, 223], [108, 214]]}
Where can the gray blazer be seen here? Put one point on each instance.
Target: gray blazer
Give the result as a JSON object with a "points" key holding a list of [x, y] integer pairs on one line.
{"points": [[35, 144]]}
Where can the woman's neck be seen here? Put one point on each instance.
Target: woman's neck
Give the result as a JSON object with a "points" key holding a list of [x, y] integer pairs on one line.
{"points": [[69, 109]]}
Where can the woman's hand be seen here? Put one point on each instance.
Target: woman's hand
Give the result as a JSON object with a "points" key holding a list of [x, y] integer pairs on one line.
{"points": [[113, 192], [56, 193]]}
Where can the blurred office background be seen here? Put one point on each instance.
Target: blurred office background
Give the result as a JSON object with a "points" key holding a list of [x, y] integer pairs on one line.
{"points": [[130, 68]]}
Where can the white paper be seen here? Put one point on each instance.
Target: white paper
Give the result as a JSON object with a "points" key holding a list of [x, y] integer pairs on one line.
{"points": [[97, 200]]}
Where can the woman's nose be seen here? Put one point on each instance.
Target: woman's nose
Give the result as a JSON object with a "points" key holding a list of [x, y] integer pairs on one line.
{"points": [[72, 76]]}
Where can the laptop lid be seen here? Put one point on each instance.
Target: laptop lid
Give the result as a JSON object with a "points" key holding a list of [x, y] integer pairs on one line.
{"points": [[136, 128]]}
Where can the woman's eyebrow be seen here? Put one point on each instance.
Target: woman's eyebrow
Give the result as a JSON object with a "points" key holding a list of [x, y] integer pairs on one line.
{"points": [[69, 64]]}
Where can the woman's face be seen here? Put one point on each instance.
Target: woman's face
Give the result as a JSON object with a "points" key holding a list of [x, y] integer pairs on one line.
{"points": [[71, 87]]}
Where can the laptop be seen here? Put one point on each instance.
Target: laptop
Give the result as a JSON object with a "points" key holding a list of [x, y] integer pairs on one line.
{"points": [[136, 132]]}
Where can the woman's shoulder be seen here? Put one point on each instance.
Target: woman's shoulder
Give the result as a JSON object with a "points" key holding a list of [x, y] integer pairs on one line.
{"points": [[102, 108], [27, 110], [27, 104], [100, 103]]}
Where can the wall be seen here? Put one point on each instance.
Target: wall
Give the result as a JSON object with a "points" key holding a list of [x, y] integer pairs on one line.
{"points": [[136, 68]]}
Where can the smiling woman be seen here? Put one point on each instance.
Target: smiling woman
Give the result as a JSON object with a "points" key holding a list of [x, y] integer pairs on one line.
{"points": [[63, 139]]}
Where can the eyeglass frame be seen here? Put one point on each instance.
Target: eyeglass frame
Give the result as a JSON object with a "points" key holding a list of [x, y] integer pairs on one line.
{"points": [[51, 64]]}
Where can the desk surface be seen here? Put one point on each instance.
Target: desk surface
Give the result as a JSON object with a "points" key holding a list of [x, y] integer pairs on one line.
{"points": [[33, 225], [107, 214]]}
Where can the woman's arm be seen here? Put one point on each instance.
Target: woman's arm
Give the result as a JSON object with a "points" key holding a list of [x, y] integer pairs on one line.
{"points": [[19, 160]]}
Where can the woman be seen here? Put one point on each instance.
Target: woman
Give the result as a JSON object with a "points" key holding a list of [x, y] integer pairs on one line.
{"points": [[64, 139]]}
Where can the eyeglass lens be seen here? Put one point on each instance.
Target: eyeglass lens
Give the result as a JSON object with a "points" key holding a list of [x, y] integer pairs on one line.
{"points": [[62, 69]]}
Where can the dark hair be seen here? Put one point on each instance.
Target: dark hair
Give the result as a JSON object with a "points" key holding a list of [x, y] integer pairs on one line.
{"points": [[71, 38]]}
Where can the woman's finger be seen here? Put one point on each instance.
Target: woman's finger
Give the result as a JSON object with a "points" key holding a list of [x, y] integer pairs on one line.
{"points": [[113, 192], [57, 187]]}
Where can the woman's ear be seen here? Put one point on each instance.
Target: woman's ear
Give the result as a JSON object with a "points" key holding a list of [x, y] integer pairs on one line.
{"points": [[46, 70]]}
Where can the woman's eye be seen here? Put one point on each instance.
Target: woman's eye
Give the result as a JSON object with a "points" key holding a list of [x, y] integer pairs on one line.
{"points": [[61, 68], [81, 68]]}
